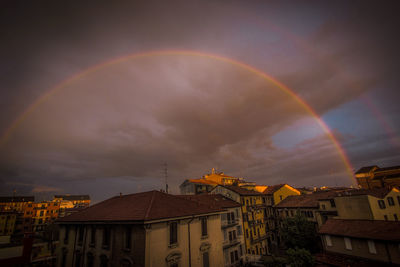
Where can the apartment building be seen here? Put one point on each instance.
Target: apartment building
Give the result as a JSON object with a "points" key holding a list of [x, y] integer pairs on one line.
{"points": [[144, 229], [375, 177], [369, 204], [231, 226], [360, 243], [252, 207]]}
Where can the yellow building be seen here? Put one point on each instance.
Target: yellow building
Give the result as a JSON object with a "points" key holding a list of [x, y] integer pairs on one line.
{"points": [[16, 203], [372, 204], [74, 200], [253, 207], [44, 213], [276, 193], [206, 183], [7, 222], [374, 177]]}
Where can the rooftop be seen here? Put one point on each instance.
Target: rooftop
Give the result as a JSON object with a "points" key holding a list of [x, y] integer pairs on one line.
{"points": [[146, 206], [17, 199], [213, 200], [242, 191], [272, 189], [307, 200], [366, 229], [376, 192], [73, 197]]}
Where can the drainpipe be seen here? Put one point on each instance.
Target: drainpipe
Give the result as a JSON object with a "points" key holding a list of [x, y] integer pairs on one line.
{"points": [[190, 252]]}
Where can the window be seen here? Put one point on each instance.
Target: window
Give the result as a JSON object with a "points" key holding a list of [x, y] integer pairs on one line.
{"points": [[371, 247], [232, 257], [204, 226], [386, 217], [90, 260], [395, 217], [66, 236], [128, 237], [206, 260], [381, 204], [323, 206], [64, 258], [41, 213], [103, 261], [247, 233], [328, 240], [239, 229], [398, 199], [390, 201], [333, 204], [80, 234], [78, 258], [236, 255], [240, 250], [347, 243], [93, 236], [280, 197], [106, 237], [173, 233]]}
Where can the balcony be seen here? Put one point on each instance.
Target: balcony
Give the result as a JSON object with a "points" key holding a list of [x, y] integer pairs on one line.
{"points": [[227, 224], [230, 243], [258, 239]]}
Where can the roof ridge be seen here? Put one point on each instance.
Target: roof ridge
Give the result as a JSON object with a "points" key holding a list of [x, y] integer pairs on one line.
{"points": [[150, 205]]}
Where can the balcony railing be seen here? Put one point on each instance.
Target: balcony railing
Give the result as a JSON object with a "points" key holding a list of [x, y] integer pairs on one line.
{"points": [[226, 224], [230, 243]]}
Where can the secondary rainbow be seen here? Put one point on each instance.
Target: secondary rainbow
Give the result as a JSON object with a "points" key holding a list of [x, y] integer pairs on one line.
{"points": [[7, 134]]}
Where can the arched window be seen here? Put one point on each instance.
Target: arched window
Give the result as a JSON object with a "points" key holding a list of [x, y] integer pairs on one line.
{"points": [[126, 263], [90, 260], [103, 261]]}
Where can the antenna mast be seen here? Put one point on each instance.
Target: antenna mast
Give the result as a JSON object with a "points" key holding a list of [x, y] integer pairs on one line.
{"points": [[166, 177]]}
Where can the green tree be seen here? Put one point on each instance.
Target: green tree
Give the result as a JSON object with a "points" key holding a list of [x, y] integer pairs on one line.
{"points": [[299, 257], [297, 232]]}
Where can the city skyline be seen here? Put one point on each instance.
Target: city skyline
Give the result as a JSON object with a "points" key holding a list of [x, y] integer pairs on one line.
{"points": [[96, 99]]}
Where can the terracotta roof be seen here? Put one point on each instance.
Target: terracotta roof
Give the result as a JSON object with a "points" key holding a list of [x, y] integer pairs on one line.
{"points": [[366, 169], [73, 197], [202, 181], [17, 199], [213, 200], [272, 189], [377, 192], [366, 229], [307, 200], [146, 206], [343, 260], [242, 191]]}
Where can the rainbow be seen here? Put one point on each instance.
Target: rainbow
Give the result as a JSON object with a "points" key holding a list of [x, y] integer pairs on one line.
{"points": [[8, 132]]}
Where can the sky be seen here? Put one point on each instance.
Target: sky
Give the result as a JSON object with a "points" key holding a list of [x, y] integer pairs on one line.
{"points": [[81, 113]]}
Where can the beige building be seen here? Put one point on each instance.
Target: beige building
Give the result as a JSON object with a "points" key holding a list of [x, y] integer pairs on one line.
{"points": [[143, 229], [373, 204], [231, 226], [361, 242], [374, 177]]}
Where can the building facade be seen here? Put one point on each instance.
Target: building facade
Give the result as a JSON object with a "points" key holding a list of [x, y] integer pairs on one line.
{"points": [[144, 229], [253, 217], [373, 242], [374, 177]]}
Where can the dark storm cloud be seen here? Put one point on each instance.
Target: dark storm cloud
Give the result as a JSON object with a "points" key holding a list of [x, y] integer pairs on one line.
{"points": [[194, 114]]}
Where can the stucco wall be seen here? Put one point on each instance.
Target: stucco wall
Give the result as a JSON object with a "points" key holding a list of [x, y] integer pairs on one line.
{"points": [[158, 248]]}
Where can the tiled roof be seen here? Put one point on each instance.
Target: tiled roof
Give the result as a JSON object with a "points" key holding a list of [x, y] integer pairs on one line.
{"points": [[343, 260], [388, 169], [17, 199], [73, 197], [144, 206], [366, 229], [213, 200], [202, 181], [242, 191], [376, 192], [272, 189], [306, 201], [366, 169]]}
